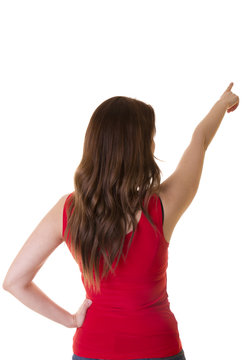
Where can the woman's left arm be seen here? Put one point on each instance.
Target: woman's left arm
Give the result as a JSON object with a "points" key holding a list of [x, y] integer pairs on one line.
{"points": [[46, 237]]}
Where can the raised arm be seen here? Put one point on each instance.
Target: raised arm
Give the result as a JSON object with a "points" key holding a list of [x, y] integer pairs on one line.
{"points": [[179, 189]]}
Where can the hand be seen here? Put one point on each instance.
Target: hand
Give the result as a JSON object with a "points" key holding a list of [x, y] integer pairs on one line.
{"points": [[78, 317], [231, 100]]}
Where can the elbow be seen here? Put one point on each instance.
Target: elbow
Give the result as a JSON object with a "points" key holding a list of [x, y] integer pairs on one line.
{"points": [[13, 285], [6, 283], [5, 286]]}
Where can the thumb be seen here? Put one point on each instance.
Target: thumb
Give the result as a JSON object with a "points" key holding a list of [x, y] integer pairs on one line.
{"points": [[88, 302], [229, 86]]}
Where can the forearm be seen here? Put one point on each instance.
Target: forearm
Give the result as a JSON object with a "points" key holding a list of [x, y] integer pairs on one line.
{"points": [[210, 124], [32, 296]]}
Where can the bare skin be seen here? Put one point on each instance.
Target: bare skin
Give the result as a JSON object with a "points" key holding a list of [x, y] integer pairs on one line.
{"points": [[179, 189], [177, 192]]}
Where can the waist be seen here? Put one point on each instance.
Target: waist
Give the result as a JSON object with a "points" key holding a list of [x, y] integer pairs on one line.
{"points": [[147, 320]]}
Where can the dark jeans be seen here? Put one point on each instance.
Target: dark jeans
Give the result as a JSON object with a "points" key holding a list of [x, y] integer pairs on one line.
{"points": [[179, 356]]}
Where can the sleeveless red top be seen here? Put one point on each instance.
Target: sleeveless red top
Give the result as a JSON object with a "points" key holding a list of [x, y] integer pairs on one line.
{"points": [[131, 318]]}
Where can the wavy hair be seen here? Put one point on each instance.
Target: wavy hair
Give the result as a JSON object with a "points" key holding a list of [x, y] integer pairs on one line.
{"points": [[116, 175]]}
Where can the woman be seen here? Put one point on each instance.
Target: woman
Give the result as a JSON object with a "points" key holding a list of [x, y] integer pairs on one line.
{"points": [[118, 223]]}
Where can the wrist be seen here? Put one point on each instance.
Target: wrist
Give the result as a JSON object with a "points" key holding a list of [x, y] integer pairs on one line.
{"points": [[72, 321]]}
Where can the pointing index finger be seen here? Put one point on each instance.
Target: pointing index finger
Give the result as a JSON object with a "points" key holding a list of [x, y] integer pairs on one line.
{"points": [[230, 86]]}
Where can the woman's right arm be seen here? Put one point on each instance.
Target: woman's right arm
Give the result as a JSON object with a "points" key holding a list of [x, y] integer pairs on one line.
{"points": [[179, 189]]}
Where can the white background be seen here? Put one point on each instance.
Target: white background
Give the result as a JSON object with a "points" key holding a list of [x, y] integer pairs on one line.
{"points": [[59, 61]]}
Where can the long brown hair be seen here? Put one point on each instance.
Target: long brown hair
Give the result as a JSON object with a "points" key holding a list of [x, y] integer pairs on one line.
{"points": [[116, 174]]}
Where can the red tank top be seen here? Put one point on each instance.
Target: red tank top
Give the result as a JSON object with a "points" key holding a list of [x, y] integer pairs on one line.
{"points": [[131, 318]]}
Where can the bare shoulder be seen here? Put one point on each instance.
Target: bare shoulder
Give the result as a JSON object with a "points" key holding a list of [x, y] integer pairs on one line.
{"points": [[64, 197], [61, 202]]}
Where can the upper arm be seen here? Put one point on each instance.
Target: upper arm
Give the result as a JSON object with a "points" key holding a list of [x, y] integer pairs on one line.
{"points": [[40, 244], [179, 189]]}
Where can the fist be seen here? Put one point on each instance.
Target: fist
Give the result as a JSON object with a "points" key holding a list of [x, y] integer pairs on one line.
{"points": [[230, 99]]}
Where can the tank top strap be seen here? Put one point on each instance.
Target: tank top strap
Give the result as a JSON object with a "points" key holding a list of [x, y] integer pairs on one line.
{"points": [[156, 211], [66, 204]]}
